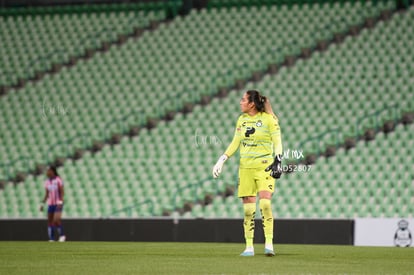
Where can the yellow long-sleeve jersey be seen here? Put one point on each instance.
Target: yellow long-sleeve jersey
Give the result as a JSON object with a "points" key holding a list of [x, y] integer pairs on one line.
{"points": [[259, 138]]}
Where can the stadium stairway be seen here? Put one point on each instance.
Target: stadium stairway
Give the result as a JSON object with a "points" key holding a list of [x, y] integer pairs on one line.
{"points": [[70, 33], [286, 55]]}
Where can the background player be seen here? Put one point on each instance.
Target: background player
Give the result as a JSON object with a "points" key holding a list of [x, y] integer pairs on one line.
{"points": [[54, 197], [259, 134]]}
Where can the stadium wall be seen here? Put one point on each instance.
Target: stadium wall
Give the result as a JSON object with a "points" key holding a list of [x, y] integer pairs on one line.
{"points": [[293, 231]]}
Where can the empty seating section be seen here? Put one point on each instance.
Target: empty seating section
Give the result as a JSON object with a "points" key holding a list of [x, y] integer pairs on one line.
{"points": [[242, 3], [177, 63], [335, 89], [370, 180], [373, 179], [32, 43], [170, 165], [350, 81]]}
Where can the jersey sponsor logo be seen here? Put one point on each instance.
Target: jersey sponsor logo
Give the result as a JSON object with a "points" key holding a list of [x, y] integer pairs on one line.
{"points": [[245, 123], [249, 131], [52, 187], [249, 144]]}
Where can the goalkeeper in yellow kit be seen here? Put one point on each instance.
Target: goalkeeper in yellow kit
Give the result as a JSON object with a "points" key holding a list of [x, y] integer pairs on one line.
{"points": [[259, 139]]}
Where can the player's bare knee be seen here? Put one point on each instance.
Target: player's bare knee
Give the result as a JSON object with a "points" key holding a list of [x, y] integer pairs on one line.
{"points": [[265, 195], [249, 199]]}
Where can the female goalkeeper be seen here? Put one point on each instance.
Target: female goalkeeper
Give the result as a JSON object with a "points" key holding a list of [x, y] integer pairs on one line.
{"points": [[259, 138]]}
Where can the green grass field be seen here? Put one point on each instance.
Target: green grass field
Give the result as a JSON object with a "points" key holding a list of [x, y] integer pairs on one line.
{"points": [[198, 258]]}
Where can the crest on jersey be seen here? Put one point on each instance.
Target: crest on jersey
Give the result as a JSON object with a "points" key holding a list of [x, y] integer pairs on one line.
{"points": [[259, 123]]}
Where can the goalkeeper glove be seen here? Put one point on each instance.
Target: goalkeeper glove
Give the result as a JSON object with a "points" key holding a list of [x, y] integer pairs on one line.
{"points": [[276, 167], [219, 165]]}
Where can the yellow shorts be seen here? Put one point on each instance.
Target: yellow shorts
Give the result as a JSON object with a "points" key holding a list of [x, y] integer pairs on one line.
{"points": [[253, 180]]}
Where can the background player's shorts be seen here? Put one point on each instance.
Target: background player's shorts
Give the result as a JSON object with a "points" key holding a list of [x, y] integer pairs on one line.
{"points": [[253, 180], [54, 208]]}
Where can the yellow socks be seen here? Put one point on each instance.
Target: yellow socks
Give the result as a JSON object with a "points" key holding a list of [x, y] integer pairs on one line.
{"points": [[249, 213], [267, 220]]}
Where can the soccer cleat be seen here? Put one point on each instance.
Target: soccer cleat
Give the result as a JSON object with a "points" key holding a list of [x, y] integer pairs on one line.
{"points": [[247, 253], [269, 252], [62, 238]]}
